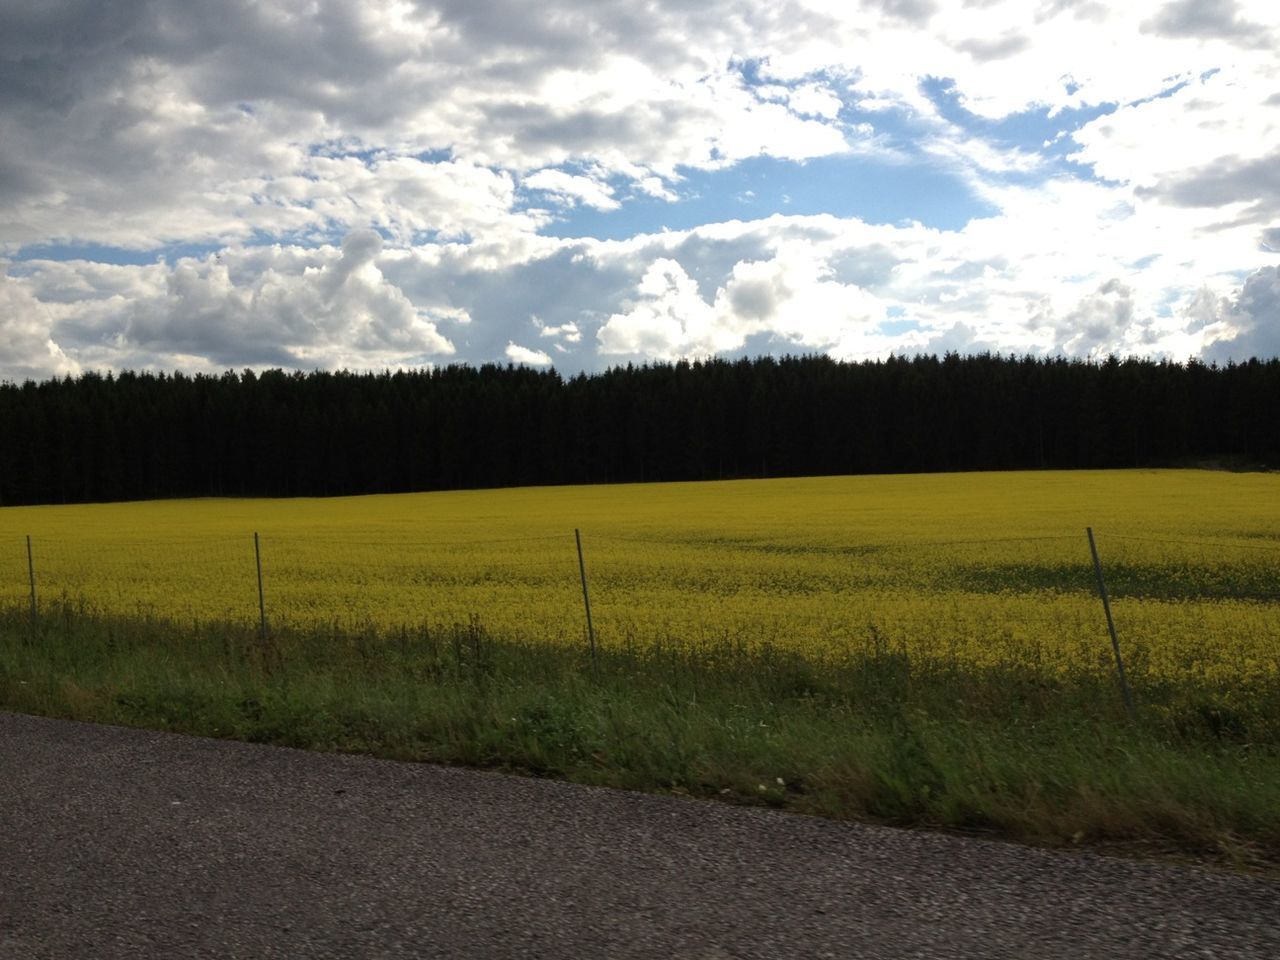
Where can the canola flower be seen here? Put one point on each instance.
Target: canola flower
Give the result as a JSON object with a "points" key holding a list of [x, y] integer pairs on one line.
{"points": [[971, 569]]}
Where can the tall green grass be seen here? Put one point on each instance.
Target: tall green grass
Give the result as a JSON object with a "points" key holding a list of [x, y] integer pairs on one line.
{"points": [[876, 736]]}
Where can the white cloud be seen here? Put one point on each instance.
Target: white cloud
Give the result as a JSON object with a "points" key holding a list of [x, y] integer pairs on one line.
{"points": [[808, 99], [407, 197], [788, 296], [294, 307], [268, 131], [668, 318], [569, 332], [784, 283], [171, 123], [1211, 118], [573, 188], [654, 187], [1098, 322], [30, 352], [524, 355]]}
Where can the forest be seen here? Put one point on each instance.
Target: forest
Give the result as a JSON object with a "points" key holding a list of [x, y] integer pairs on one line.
{"points": [[130, 436]]}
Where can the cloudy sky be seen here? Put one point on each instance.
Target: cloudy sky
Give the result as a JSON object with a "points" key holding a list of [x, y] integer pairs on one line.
{"points": [[331, 183]]}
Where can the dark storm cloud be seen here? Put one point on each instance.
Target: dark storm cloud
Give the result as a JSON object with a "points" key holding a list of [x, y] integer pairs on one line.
{"points": [[543, 128], [918, 12], [709, 260], [994, 48], [520, 301], [869, 267], [1201, 19], [1255, 315], [1226, 181]]}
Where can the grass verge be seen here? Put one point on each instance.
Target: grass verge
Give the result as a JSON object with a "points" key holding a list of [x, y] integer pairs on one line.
{"points": [[876, 737]]}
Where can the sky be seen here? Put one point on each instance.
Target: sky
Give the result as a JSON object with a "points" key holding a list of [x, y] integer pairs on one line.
{"points": [[385, 184]]}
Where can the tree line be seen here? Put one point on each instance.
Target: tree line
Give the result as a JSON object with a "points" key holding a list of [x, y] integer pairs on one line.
{"points": [[141, 435]]}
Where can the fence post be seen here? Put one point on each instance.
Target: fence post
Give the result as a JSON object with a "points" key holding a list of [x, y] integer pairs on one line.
{"points": [[586, 603], [1111, 627], [31, 578], [262, 604]]}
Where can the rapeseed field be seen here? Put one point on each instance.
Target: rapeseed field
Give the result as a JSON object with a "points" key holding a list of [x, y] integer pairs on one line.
{"points": [[973, 570]]}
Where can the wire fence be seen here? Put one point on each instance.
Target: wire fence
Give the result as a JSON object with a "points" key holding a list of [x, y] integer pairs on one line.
{"points": [[1205, 608]]}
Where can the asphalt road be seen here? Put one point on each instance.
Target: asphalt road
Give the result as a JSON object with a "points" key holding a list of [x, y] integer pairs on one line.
{"points": [[121, 843]]}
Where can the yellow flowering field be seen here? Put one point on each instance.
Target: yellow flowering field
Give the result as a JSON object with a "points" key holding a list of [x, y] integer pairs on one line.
{"points": [[975, 569]]}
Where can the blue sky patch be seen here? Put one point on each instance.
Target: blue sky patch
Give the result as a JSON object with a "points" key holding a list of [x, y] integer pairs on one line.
{"points": [[1033, 131], [117, 256], [844, 186], [893, 328]]}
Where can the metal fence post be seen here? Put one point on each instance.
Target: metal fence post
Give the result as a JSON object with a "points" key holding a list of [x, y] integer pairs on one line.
{"points": [[1111, 627], [262, 604], [586, 603], [31, 578]]}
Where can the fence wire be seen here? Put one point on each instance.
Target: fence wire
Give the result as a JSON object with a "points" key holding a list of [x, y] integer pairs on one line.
{"points": [[1209, 608]]}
